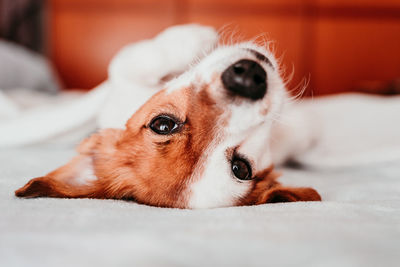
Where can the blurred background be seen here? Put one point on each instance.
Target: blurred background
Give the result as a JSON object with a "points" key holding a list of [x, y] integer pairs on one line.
{"points": [[341, 45]]}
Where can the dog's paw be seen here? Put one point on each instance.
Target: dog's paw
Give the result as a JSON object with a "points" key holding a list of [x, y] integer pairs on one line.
{"points": [[151, 62], [187, 42]]}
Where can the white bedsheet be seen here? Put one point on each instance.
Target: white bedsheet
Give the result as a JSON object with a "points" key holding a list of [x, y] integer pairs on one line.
{"points": [[357, 224]]}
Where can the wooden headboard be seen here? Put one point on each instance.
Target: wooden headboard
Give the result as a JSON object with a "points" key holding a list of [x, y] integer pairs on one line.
{"points": [[341, 45]]}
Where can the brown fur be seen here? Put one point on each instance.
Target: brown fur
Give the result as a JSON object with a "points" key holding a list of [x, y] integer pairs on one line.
{"points": [[136, 163], [140, 165], [267, 190]]}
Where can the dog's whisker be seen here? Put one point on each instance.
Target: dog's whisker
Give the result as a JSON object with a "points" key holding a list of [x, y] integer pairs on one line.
{"points": [[299, 89]]}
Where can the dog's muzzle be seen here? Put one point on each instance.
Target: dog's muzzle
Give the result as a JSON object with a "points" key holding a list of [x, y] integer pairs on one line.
{"points": [[246, 78]]}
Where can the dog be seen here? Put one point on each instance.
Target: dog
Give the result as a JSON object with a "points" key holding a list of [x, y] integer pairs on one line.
{"points": [[208, 138]]}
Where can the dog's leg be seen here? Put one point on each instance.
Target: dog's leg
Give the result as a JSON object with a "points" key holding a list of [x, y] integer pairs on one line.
{"points": [[139, 70], [150, 62]]}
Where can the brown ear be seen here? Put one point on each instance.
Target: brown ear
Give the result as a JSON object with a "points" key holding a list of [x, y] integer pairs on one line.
{"points": [[75, 179], [37, 187], [49, 187], [291, 194]]}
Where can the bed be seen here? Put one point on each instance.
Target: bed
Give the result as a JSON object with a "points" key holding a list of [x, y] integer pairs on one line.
{"points": [[355, 167], [356, 224]]}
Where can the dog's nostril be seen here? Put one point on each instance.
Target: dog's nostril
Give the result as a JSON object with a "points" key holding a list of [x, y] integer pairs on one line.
{"points": [[258, 79], [238, 69]]}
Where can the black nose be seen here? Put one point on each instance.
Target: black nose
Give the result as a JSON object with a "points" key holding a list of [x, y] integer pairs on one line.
{"points": [[246, 78]]}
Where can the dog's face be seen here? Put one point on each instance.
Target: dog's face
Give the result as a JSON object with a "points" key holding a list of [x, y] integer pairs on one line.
{"points": [[201, 142]]}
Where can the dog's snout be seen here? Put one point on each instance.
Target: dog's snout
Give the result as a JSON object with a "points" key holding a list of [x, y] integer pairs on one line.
{"points": [[246, 78]]}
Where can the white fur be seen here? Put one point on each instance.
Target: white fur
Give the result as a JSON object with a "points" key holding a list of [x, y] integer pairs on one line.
{"points": [[247, 132], [216, 186], [84, 172]]}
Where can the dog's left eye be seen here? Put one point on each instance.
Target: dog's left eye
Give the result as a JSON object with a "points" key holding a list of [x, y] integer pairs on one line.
{"points": [[163, 124], [241, 169]]}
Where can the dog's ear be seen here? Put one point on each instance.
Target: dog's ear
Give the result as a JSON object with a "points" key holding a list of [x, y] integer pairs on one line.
{"points": [[268, 190], [290, 194], [75, 179]]}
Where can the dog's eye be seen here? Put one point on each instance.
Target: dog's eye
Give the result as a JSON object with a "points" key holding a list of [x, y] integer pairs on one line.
{"points": [[163, 124], [241, 169]]}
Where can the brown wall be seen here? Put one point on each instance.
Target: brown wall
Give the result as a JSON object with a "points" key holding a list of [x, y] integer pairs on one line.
{"points": [[341, 45]]}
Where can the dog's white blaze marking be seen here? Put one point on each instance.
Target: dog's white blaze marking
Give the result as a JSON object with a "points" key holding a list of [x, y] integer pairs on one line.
{"points": [[217, 187], [256, 147], [85, 172], [179, 83], [248, 129], [244, 117]]}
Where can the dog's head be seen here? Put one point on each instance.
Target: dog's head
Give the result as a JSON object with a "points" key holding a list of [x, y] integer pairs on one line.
{"points": [[203, 141]]}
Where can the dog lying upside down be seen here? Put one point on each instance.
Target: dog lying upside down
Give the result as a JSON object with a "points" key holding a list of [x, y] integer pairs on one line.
{"points": [[208, 138]]}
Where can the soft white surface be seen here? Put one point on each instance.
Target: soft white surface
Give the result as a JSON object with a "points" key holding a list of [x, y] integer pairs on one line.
{"points": [[357, 224], [47, 117], [353, 129]]}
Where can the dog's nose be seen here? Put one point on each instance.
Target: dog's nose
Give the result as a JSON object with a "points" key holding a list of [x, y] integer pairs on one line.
{"points": [[246, 78]]}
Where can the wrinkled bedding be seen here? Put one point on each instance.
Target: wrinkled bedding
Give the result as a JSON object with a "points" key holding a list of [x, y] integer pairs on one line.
{"points": [[355, 166], [357, 224]]}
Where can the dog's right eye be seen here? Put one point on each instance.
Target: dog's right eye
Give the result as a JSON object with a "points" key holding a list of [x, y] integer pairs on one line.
{"points": [[164, 124]]}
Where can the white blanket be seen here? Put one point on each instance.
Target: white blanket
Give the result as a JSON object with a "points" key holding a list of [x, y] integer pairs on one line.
{"points": [[355, 129], [357, 224], [354, 165]]}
